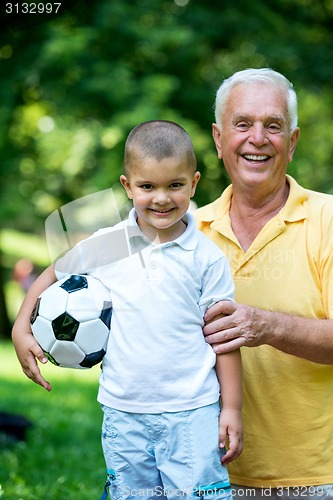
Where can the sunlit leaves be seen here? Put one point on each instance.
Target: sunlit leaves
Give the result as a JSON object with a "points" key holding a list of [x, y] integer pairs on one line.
{"points": [[73, 88]]}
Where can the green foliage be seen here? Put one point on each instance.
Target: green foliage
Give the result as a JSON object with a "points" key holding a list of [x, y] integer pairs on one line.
{"points": [[76, 85], [62, 457], [312, 164]]}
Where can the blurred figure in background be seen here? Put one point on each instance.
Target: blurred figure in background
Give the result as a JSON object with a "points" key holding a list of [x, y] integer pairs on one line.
{"points": [[24, 273]]}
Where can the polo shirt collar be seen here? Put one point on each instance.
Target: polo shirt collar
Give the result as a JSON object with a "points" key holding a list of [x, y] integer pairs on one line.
{"points": [[217, 213], [187, 240], [294, 210]]}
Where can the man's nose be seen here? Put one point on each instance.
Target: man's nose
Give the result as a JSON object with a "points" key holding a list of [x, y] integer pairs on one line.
{"points": [[258, 134]]}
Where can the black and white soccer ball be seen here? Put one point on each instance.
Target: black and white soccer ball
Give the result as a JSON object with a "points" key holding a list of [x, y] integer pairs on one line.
{"points": [[71, 321]]}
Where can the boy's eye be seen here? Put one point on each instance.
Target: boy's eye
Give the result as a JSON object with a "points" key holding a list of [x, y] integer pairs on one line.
{"points": [[146, 187], [176, 185]]}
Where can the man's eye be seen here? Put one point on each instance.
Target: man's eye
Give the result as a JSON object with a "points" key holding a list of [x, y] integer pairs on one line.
{"points": [[274, 128], [242, 126]]}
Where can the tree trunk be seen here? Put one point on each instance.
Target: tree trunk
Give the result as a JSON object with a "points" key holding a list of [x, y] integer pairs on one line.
{"points": [[5, 325]]}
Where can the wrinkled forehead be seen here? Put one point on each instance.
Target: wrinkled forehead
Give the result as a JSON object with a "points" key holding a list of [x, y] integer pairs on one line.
{"points": [[257, 90], [257, 100]]}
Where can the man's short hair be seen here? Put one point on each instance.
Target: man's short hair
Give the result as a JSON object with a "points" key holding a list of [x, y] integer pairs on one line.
{"points": [[251, 75]]}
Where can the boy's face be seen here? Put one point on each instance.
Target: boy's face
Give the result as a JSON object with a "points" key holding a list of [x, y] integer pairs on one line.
{"points": [[161, 193]]}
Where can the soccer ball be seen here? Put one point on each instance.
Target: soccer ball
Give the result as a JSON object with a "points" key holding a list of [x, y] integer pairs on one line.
{"points": [[71, 321]]}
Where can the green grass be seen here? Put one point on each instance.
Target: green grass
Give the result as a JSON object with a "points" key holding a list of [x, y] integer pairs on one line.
{"points": [[62, 456], [15, 245]]}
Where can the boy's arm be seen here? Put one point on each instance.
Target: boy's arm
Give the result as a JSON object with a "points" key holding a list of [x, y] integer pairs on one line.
{"points": [[229, 372], [27, 348]]}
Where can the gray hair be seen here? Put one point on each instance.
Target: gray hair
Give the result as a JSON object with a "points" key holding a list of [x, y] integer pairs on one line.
{"points": [[251, 75]]}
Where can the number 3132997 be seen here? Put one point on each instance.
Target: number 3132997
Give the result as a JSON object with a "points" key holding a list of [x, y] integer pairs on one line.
{"points": [[32, 8]]}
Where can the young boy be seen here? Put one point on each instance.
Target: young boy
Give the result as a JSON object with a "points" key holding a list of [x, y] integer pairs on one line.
{"points": [[162, 434]]}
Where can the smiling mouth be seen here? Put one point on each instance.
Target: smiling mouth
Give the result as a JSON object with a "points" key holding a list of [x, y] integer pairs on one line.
{"points": [[164, 211], [256, 158]]}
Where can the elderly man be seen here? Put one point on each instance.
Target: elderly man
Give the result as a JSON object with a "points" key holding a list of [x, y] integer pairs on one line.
{"points": [[278, 237]]}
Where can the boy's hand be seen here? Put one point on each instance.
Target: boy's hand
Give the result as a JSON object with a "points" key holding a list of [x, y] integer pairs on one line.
{"points": [[28, 351], [231, 434]]}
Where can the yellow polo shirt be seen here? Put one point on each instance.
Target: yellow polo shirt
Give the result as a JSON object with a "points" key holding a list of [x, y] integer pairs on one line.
{"points": [[288, 401]]}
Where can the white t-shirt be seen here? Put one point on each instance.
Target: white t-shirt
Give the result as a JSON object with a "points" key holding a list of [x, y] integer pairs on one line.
{"points": [[157, 359]]}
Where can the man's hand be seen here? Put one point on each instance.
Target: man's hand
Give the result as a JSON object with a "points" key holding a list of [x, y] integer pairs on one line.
{"points": [[232, 325], [28, 351]]}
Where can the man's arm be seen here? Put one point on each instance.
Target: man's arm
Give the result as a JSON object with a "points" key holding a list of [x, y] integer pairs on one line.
{"points": [[27, 348], [231, 326]]}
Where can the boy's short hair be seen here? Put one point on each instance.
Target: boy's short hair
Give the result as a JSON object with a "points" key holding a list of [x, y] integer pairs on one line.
{"points": [[158, 139]]}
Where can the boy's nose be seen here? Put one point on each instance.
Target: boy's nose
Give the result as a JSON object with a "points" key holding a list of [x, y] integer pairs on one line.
{"points": [[161, 197]]}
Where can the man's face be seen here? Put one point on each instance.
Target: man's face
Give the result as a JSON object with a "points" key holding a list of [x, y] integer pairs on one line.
{"points": [[255, 141]]}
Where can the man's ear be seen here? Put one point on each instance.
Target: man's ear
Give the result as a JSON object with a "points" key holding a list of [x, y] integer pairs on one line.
{"points": [[126, 184], [216, 132], [293, 143]]}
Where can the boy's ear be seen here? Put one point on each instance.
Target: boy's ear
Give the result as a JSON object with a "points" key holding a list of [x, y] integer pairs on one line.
{"points": [[125, 183], [195, 181]]}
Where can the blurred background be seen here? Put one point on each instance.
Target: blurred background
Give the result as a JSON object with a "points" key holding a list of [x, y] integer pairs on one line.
{"points": [[74, 85]]}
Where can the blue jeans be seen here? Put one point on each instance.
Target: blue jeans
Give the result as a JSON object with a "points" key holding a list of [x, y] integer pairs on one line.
{"points": [[167, 455]]}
